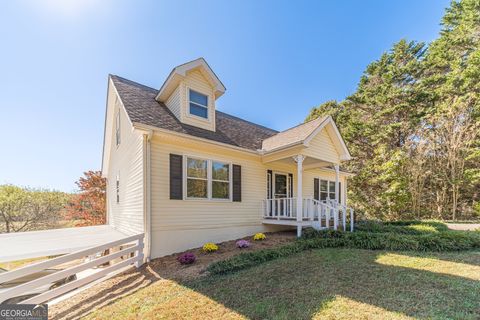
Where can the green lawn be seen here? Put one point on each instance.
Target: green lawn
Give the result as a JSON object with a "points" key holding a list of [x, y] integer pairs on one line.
{"points": [[320, 284]]}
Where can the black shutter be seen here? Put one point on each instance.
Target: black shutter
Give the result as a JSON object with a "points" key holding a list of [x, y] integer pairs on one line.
{"points": [[291, 184], [237, 183], [316, 193], [270, 190], [176, 177]]}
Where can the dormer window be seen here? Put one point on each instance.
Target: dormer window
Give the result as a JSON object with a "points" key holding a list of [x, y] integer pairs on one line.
{"points": [[198, 104]]}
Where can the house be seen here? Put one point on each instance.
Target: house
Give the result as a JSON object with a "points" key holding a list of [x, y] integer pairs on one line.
{"points": [[185, 173]]}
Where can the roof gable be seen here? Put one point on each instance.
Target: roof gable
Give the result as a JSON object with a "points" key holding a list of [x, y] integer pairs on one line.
{"points": [[292, 136], [329, 125], [180, 72], [304, 133]]}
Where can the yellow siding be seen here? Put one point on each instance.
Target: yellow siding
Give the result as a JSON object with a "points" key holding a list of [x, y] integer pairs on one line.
{"points": [[322, 147], [196, 81], [174, 102], [127, 161], [179, 225]]}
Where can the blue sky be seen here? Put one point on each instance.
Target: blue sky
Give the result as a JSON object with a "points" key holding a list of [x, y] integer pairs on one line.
{"points": [[278, 59]]}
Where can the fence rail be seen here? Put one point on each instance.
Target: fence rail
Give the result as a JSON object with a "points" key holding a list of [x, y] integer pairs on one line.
{"points": [[129, 248]]}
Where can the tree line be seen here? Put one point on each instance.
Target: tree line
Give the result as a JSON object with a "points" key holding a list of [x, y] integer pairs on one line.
{"points": [[26, 209], [412, 125]]}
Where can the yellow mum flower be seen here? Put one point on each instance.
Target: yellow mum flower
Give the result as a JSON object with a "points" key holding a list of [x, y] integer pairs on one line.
{"points": [[210, 247], [259, 236]]}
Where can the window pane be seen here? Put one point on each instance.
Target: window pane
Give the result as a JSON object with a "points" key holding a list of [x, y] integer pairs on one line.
{"points": [[196, 188], [332, 196], [332, 186], [220, 190], [323, 186], [198, 111], [220, 171], [323, 196], [198, 98], [196, 168]]}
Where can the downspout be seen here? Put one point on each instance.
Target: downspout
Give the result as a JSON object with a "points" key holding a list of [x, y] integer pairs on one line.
{"points": [[147, 195]]}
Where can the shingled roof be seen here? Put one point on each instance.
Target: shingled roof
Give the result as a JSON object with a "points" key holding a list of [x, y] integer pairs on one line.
{"points": [[141, 107], [293, 135]]}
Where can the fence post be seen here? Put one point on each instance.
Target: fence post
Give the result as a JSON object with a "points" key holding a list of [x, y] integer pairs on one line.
{"points": [[139, 253]]}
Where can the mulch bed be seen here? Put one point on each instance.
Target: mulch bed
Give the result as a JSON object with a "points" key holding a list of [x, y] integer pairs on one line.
{"points": [[163, 268]]}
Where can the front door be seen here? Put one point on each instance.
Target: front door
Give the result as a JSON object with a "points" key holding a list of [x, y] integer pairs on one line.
{"points": [[281, 190], [280, 185]]}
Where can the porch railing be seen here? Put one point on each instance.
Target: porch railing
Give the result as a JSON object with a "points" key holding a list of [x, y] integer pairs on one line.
{"points": [[280, 208], [322, 214]]}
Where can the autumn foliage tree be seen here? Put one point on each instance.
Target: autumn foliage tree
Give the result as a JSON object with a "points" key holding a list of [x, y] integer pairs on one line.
{"points": [[87, 207]]}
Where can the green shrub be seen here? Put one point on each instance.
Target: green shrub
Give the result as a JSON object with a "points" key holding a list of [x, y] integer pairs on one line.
{"points": [[313, 239], [401, 227]]}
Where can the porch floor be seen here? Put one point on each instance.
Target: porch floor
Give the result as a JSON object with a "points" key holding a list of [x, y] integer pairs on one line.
{"points": [[287, 222]]}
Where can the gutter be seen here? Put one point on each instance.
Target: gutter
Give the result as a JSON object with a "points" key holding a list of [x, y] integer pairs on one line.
{"points": [[144, 127], [147, 211]]}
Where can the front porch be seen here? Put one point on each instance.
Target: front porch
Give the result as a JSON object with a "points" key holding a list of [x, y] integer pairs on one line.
{"points": [[314, 213], [306, 151]]}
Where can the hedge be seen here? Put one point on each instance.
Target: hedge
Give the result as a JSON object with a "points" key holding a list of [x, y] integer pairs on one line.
{"points": [[440, 241]]}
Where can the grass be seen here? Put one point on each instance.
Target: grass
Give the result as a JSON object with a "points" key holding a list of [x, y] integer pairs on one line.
{"points": [[329, 283], [11, 265]]}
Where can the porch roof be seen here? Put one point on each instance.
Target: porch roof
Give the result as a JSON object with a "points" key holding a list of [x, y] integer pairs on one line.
{"points": [[292, 136], [34, 244]]}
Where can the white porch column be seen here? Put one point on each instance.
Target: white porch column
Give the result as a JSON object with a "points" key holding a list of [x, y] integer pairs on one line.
{"points": [[337, 190], [337, 187], [299, 160]]}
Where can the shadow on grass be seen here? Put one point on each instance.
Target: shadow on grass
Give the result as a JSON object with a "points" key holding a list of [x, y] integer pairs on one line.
{"points": [[128, 283], [305, 285], [325, 283]]}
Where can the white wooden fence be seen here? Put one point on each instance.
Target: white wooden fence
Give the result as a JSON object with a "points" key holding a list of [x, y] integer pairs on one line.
{"points": [[130, 248]]}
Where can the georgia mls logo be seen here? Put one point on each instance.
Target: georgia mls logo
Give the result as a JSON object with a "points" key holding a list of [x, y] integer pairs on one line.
{"points": [[23, 312]]}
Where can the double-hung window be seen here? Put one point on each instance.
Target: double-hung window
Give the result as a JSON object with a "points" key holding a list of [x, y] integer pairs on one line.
{"points": [[198, 104], [117, 187], [197, 178], [117, 129], [207, 179], [220, 180], [327, 190]]}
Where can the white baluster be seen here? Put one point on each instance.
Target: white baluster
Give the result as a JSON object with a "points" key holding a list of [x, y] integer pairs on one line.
{"points": [[351, 220]]}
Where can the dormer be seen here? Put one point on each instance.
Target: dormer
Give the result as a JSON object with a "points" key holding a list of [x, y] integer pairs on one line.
{"points": [[190, 92]]}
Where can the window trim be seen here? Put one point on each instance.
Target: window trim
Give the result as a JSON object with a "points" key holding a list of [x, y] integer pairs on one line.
{"points": [[328, 192], [197, 104], [209, 179], [117, 188]]}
